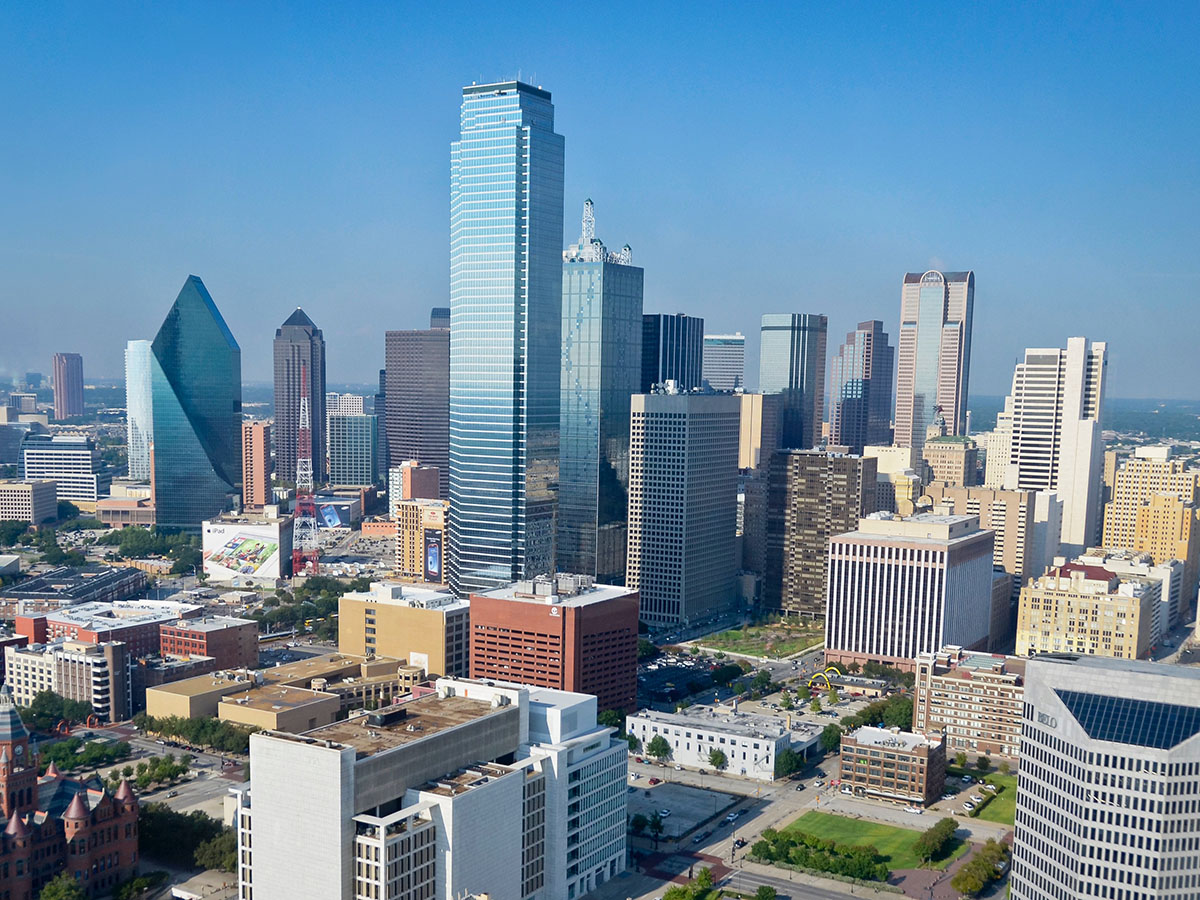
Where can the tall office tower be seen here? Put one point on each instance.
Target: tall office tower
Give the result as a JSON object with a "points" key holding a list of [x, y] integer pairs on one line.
{"points": [[256, 465], [860, 389], [997, 447], [353, 449], [380, 412], [791, 362], [935, 353], [812, 496], [417, 419], [68, 385], [506, 223], [1154, 509], [760, 424], [299, 350], [601, 355], [1058, 397], [470, 788], [71, 461], [439, 317], [1026, 525], [139, 408], [724, 366], [1106, 802], [902, 587], [683, 452], [559, 631], [196, 389], [672, 350]]}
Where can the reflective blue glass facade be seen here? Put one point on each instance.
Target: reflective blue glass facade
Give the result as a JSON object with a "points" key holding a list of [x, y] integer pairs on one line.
{"points": [[353, 449], [601, 356], [792, 363], [506, 223], [139, 407], [860, 389], [196, 396]]}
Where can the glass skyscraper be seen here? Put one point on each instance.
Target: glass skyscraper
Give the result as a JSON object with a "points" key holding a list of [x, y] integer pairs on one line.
{"points": [[353, 449], [792, 363], [935, 353], [672, 350], [506, 220], [196, 399], [299, 355], [725, 361], [860, 389], [139, 407], [601, 357]]}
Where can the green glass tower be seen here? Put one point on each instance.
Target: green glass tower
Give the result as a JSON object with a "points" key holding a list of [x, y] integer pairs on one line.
{"points": [[196, 394]]}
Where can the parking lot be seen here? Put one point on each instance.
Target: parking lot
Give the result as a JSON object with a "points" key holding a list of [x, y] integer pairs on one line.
{"points": [[689, 806]]}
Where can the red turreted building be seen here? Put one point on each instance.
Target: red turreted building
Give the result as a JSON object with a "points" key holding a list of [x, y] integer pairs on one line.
{"points": [[51, 824]]}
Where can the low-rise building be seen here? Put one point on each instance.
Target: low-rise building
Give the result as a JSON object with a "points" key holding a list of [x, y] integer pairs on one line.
{"points": [[136, 623], [64, 587], [972, 699], [751, 744], [34, 502], [154, 671], [427, 628], [1077, 608], [472, 787], [233, 643], [1170, 573], [890, 764], [97, 674]]}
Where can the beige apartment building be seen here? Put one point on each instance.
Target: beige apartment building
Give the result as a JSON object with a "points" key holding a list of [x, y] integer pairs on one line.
{"points": [[898, 478], [974, 700], [34, 502], [427, 628], [420, 540], [1077, 608], [952, 459]]}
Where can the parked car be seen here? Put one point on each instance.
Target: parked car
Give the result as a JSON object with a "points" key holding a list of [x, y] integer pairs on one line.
{"points": [[818, 783], [990, 787], [976, 798], [947, 796], [847, 790], [678, 768], [968, 806], [637, 759], [916, 810], [799, 787], [664, 813], [967, 779], [739, 843], [654, 781]]}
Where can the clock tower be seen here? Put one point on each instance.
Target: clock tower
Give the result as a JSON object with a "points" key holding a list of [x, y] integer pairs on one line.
{"points": [[18, 767]]}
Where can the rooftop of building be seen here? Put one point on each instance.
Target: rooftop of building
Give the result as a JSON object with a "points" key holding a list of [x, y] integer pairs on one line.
{"points": [[1130, 667], [962, 439], [463, 780], [958, 663], [402, 723], [248, 518], [100, 615], [209, 623], [66, 644], [333, 667], [276, 697], [562, 589], [890, 738], [924, 528], [724, 720], [67, 584], [395, 593]]}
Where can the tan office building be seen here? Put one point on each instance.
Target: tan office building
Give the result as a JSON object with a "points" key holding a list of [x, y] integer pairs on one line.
{"points": [[256, 465], [974, 700], [28, 501], [952, 459], [759, 429], [428, 628], [1077, 608], [895, 765], [420, 540], [898, 478]]}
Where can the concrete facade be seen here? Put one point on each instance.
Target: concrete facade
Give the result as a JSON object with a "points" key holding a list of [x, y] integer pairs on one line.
{"points": [[972, 699], [34, 502], [426, 627]]}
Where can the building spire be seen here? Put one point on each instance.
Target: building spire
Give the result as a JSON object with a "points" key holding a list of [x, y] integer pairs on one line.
{"points": [[589, 223]]}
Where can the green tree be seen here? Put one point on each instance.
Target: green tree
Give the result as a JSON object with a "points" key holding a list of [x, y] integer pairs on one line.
{"points": [[638, 823], [659, 748], [64, 887], [67, 510], [219, 852], [1005, 768], [831, 738], [832, 696], [677, 892], [786, 701], [611, 718], [704, 880], [726, 673], [739, 688], [899, 713], [634, 743], [788, 762], [762, 678], [11, 531], [960, 759], [815, 706], [803, 692], [646, 649], [983, 763], [656, 826], [934, 842], [765, 892], [717, 759], [968, 881]]}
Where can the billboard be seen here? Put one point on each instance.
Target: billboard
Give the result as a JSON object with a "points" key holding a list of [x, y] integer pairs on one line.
{"points": [[244, 552], [336, 512], [433, 556]]}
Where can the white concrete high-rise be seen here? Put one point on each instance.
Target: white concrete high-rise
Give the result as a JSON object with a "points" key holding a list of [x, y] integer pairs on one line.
{"points": [[725, 361], [1057, 407], [934, 359], [1107, 802]]}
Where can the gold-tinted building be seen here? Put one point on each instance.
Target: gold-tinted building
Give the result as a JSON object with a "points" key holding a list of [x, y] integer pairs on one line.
{"points": [[421, 540], [427, 628]]}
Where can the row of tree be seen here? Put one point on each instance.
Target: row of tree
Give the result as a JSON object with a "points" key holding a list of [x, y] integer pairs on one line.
{"points": [[985, 866], [48, 709], [184, 840], [935, 843], [207, 732], [818, 854], [73, 753], [137, 543]]}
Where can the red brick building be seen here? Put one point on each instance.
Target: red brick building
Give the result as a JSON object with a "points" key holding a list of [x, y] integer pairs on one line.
{"points": [[233, 643], [562, 632], [52, 824], [136, 625]]}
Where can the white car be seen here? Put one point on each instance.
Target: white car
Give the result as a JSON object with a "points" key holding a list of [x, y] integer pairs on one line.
{"points": [[916, 810], [664, 813], [990, 787], [968, 806], [678, 768], [967, 779], [976, 798], [847, 790]]}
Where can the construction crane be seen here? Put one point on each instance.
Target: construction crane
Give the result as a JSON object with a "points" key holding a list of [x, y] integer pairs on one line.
{"points": [[306, 547]]}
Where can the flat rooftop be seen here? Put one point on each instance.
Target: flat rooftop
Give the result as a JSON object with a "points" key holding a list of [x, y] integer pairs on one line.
{"points": [[395, 593], [99, 616], [423, 716], [723, 721], [276, 697], [249, 518], [67, 584], [465, 779], [885, 739], [585, 596], [210, 623]]}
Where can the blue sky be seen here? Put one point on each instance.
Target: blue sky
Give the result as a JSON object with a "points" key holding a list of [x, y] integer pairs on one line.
{"points": [[757, 157]]}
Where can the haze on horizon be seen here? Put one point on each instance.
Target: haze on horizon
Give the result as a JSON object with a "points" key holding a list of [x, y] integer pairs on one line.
{"points": [[765, 159]]}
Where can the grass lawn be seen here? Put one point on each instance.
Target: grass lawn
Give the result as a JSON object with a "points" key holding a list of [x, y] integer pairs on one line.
{"points": [[894, 844], [1003, 808], [772, 641]]}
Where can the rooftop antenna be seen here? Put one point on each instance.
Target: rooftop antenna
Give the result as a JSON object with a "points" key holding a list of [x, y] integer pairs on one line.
{"points": [[589, 222]]}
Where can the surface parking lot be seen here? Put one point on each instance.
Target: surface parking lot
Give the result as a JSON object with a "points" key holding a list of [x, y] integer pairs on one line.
{"points": [[689, 806]]}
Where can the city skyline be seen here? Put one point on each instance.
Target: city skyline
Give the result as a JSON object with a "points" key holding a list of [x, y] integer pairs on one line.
{"points": [[265, 262]]}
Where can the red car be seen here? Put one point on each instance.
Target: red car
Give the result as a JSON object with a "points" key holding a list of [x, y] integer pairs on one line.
{"points": [[654, 781], [637, 759]]}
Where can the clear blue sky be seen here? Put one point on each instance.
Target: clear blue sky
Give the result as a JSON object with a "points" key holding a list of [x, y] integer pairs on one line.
{"points": [[758, 158]]}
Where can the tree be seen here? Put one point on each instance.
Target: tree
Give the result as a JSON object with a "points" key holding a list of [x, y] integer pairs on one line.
{"points": [[739, 688], [803, 692], [983, 763], [638, 823], [786, 701], [762, 678], [656, 826], [765, 892], [646, 649], [788, 762], [705, 879], [634, 743], [815, 706], [831, 738], [67, 510], [899, 713], [1005, 768], [960, 759], [726, 673], [717, 759], [832, 696], [611, 718], [219, 852], [934, 842], [64, 887], [659, 748]]}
